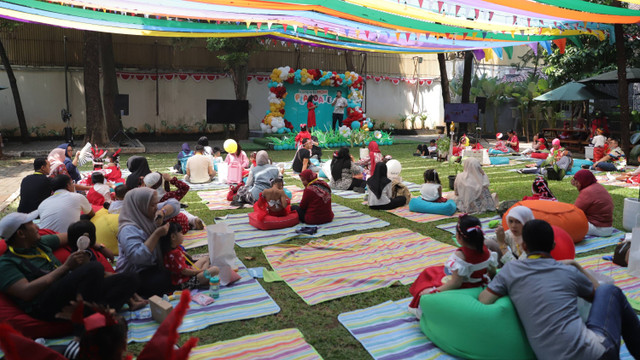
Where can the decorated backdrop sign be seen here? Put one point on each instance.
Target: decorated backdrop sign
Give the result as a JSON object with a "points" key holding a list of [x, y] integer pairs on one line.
{"points": [[296, 109]]}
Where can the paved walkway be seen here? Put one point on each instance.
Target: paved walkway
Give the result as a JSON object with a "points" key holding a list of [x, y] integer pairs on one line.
{"points": [[10, 177]]}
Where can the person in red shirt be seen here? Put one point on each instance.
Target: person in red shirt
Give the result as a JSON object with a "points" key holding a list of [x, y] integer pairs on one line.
{"points": [[513, 142], [303, 134], [315, 206], [311, 115], [595, 201]]}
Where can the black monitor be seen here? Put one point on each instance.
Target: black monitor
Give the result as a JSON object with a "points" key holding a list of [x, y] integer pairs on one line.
{"points": [[461, 113], [227, 111]]}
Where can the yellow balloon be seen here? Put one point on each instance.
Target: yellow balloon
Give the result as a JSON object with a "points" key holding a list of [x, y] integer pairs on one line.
{"points": [[230, 146]]}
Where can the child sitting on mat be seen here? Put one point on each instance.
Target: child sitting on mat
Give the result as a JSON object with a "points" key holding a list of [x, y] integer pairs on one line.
{"points": [[274, 199], [185, 273], [469, 266], [431, 190], [500, 146]]}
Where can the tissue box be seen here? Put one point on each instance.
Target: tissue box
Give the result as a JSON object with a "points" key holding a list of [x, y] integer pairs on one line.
{"points": [[160, 308]]}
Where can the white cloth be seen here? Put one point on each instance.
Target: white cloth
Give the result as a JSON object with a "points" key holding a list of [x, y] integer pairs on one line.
{"points": [[385, 196], [430, 191], [103, 190], [62, 209], [470, 182], [198, 166], [115, 207], [521, 213], [465, 269], [432, 149], [598, 141], [599, 231], [341, 103]]}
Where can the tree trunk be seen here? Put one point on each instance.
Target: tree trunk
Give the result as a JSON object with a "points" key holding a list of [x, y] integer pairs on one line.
{"points": [[444, 79], [24, 132], [466, 83], [96, 126], [240, 84], [109, 85], [623, 87], [349, 60]]}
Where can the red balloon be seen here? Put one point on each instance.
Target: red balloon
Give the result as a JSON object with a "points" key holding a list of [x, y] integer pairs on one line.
{"points": [[564, 249]]}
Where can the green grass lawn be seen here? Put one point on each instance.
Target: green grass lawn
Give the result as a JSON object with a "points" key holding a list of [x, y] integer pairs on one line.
{"points": [[319, 323]]}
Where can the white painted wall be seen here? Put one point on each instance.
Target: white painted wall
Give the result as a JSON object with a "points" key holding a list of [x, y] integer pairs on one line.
{"points": [[182, 101]]}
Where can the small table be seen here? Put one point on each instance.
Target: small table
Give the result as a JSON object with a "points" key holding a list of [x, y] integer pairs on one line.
{"points": [[571, 143]]}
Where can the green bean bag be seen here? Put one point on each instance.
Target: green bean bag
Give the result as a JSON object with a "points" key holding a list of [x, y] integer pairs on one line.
{"points": [[462, 326]]}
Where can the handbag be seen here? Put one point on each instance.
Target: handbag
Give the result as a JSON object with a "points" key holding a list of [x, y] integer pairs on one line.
{"points": [[233, 190], [620, 253]]}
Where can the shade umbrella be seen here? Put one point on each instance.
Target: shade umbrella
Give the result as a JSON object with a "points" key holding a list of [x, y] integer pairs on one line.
{"points": [[573, 91], [633, 75]]}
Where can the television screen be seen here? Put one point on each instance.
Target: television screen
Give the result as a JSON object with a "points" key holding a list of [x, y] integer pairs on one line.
{"points": [[461, 113], [227, 111]]}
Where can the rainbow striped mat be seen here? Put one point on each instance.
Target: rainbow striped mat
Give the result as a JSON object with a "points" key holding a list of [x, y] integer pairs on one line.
{"points": [[280, 344], [350, 194], [345, 219], [244, 299], [405, 213], [610, 179], [217, 199], [630, 285], [588, 244], [194, 239], [388, 331], [324, 270], [213, 185]]}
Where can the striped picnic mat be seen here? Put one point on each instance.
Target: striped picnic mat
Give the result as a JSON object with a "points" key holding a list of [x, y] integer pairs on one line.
{"points": [[345, 219], [329, 269], [217, 199], [388, 331], [610, 180], [194, 239], [588, 244], [213, 185], [405, 213], [244, 299], [630, 285], [280, 344], [350, 194]]}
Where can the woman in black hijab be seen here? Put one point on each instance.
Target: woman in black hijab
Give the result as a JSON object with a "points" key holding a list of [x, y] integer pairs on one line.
{"points": [[139, 168], [346, 174], [380, 190]]}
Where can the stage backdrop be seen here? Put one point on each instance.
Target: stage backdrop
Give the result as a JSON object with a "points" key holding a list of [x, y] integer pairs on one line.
{"points": [[295, 108]]}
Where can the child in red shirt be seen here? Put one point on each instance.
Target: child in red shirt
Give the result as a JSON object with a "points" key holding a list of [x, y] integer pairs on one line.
{"points": [[185, 273]]}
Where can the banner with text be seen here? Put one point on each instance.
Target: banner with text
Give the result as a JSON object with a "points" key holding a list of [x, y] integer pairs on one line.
{"points": [[295, 108]]}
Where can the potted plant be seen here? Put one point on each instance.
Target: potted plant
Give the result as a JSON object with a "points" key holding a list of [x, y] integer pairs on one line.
{"points": [[442, 144], [457, 167]]}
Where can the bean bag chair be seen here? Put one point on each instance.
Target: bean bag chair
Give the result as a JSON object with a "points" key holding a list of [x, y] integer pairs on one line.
{"points": [[427, 207], [496, 152], [462, 326], [106, 229], [580, 162], [563, 215], [564, 249], [541, 156], [499, 160], [273, 222]]}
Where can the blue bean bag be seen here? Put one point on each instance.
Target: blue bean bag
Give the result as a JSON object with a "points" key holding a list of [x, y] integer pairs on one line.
{"points": [[322, 175], [499, 160], [496, 152], [427, 207], [287, 192], [577, 165], [462, 326]]}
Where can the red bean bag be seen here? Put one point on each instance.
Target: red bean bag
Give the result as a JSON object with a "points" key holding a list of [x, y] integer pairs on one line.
{"points": [[564, 249], [542, 156], [566, 216], [273, 222]]}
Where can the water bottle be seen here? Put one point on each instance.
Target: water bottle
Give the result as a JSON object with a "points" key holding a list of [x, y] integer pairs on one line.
{"points": [[214, 287]]}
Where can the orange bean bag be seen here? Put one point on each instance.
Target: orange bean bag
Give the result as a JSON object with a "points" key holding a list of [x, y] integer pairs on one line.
{"points": [[566, 216], [273, 222], [564, 249]]}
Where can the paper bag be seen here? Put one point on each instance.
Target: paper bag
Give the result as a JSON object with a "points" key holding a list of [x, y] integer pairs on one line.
{"points": [[634, 250], [221, 251], [223, 170], [364, 153]]}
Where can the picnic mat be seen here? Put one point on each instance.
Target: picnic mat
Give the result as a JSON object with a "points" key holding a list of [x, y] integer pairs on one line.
{"points": [[345, 219], [194, 239], [588, 244], [244, 299], [217, 199], [86, 173], [329, 269], [630, 285], [405, 213], [213, 185], [273, 345], [388, 331], [350, 194], [605, 179]]}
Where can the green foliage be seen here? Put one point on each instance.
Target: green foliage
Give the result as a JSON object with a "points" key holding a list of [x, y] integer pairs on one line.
{"points": [[234, 51], [37, 130], [131, 130], [443, 143], [7, 26], [150, 129], [9, 132]]}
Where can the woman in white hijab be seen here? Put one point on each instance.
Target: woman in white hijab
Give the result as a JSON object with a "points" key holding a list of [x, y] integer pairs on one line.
{"points": [[508, 244], [139, 230], [56, 163], [471, 189]]}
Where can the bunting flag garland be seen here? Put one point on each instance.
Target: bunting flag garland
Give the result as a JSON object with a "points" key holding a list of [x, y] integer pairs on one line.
{"points": [[341, 22]]}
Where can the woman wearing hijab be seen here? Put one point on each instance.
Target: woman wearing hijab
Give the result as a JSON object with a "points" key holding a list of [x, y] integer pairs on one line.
{"points": [[540, 190], [315, 206], [380, 190], [345, 174], [183, 155], [56, 163], [508, 244], [71, 162], [471, 189], [375, 156], [139, 231], [139, 168], [260, 176], [595, 201]]}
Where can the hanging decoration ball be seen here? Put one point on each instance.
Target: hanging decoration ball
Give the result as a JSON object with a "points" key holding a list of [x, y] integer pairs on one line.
{"points": [[230, 146], [355, 125]]}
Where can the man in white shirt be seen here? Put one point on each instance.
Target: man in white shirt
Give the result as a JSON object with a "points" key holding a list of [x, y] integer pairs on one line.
{"points": [[200, 167], [64, 207], [339, 103]]}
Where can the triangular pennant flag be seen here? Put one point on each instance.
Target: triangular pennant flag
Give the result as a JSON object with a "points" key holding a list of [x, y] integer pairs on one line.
{"points": [[576, 41], [420, 2], [522, 32], [474, 34], [509, 51], [284, 27], [479, 54], [546, 45], [515, 19], [315, 30], [325, 31], [440, 3], [529, 22], [513, 34], [248, 23], [357, 33], [498, 52], [490, 15], [464, 36], [407, 35], [269, 23], [398, 36], [560, 43], [447, 35], [488, 54], [346, 32], [295, 28], [484, 35], [534, 47], [477, 11], [426, 36], [457, 9], [366, 33], [259, 25]]}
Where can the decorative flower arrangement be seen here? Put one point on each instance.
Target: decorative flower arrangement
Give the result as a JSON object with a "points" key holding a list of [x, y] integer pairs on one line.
{"points": [[274, 121], [345, 136]]}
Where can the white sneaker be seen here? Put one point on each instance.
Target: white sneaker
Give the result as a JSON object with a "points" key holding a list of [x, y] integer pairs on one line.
{"points": [[417, 312]]}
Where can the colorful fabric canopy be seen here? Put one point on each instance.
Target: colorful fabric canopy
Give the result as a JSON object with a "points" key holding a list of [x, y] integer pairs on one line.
{"points": [[413, 26]]}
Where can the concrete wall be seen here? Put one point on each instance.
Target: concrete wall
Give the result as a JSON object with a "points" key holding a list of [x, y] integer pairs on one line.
{"points": [[182, 101]]}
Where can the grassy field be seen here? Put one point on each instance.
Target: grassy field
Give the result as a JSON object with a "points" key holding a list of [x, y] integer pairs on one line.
{"points": [[319, 323]]}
